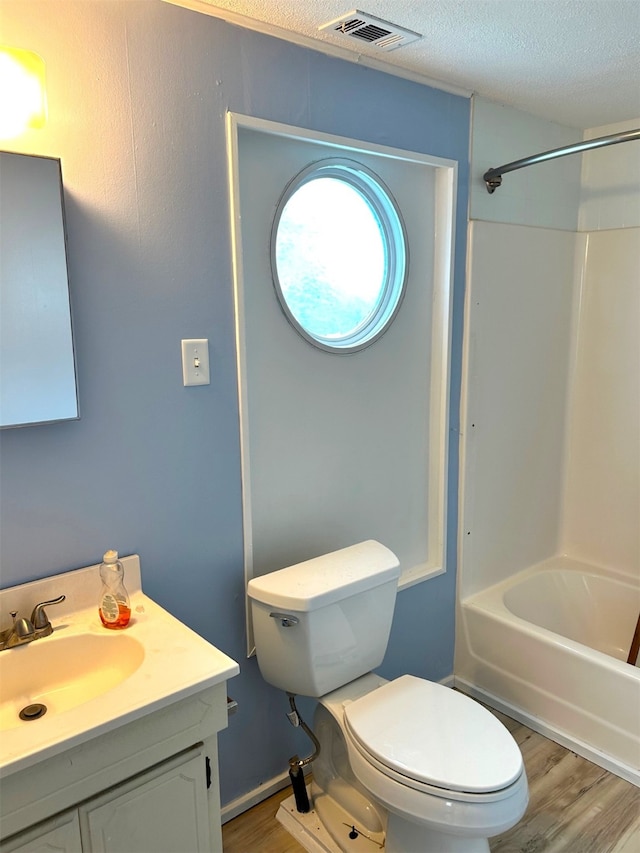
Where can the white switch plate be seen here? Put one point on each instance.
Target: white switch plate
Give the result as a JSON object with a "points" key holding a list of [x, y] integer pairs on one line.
{"points": [[195, 361]]}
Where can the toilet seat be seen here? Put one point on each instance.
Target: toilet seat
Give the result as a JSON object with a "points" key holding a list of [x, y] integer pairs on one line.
{"points": [[432, 739]]}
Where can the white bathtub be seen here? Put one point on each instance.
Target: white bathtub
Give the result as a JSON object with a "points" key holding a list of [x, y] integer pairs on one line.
{"points": [[549, 647]]}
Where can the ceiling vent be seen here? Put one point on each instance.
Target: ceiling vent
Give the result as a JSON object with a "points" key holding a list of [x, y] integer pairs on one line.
{"points": [[365, 29]]}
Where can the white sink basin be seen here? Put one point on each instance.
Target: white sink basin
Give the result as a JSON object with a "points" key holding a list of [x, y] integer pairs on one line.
{"points": [[62, 673], [91, 679]]}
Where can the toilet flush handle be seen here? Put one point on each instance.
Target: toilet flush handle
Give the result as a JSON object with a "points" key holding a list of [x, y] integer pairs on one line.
{"points": [[286, 619]]}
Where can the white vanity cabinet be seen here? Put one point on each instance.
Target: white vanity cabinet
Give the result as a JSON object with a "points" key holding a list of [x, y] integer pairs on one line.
{"points": [[59, 835], [164, 810], [170, 806]]}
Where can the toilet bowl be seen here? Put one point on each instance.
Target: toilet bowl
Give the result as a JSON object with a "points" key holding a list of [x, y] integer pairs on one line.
{"points": [[408, 765], [436, 767]]}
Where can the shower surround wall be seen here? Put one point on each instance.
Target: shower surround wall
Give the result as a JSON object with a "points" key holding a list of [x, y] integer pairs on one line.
{"points": [[550, 454], [519, 315], [602, 492]]}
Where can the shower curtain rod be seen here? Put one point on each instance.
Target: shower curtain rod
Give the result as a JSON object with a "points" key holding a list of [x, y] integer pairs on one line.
{"points": [[493, 177]]}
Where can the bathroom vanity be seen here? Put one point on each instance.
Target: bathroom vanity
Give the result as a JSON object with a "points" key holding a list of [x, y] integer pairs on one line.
{"points": [[125, 757]]}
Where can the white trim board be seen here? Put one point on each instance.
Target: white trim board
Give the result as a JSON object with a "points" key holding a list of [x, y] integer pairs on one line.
{"points": [[444, 201], [252, 798]]}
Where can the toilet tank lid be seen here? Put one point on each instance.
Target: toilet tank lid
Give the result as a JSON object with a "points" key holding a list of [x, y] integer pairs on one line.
{"points": [[326, 579]]}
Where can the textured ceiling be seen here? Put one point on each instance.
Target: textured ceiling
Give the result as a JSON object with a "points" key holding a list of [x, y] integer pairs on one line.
{"points": [[576, 62]]}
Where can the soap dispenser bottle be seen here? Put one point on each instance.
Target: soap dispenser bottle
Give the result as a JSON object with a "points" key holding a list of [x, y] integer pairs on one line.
{"points": [[115, 607]]}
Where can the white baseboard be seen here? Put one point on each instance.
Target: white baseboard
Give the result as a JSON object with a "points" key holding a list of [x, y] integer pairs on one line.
{"points": [[257, 795]]}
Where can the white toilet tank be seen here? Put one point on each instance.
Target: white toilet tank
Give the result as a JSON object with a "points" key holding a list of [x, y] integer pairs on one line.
{"points": [[322, 623]]}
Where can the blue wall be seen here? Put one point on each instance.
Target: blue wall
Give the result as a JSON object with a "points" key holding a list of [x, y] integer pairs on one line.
{"points": [[138, 93]]}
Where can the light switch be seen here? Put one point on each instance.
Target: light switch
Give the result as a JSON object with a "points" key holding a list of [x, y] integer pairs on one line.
{"points": [[195, 361]]}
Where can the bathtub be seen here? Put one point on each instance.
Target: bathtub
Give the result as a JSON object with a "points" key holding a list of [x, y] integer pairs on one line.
{"points": [[548, 646]]}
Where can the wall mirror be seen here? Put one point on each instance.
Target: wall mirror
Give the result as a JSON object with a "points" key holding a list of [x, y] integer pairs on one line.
{"points": [[37, 365]]}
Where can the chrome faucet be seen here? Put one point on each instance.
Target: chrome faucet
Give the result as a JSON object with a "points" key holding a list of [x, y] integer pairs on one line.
{"points": [[26, 630]]}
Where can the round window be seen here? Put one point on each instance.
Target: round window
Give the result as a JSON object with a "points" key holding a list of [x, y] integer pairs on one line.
{"points": [[339, 255]]}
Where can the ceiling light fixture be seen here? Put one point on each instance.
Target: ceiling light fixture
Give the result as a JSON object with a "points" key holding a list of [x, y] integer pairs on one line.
{"points": [[23, 104]]}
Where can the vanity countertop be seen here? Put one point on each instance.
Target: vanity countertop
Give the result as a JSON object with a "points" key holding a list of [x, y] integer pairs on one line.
{"points": [[173, 663]]}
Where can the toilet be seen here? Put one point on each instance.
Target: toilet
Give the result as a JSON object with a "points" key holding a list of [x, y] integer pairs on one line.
{"points": [[408, 764]]}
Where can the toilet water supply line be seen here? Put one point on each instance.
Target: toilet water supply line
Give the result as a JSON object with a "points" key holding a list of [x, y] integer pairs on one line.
{"points": [[296, 764], [297, 776]]}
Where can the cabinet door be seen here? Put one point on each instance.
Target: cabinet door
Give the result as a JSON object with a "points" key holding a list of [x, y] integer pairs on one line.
{"points": [[61, 834], [161, 811]]}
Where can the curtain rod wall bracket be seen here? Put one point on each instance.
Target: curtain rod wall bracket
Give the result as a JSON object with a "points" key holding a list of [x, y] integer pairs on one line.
{"points": [[493, 177]]}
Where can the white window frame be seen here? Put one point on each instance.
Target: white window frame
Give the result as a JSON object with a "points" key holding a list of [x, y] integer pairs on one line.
{"points": [[389, 218]]}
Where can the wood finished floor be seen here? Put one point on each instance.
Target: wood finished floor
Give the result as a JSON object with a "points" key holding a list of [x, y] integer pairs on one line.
{"points": [[574, 807]]}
